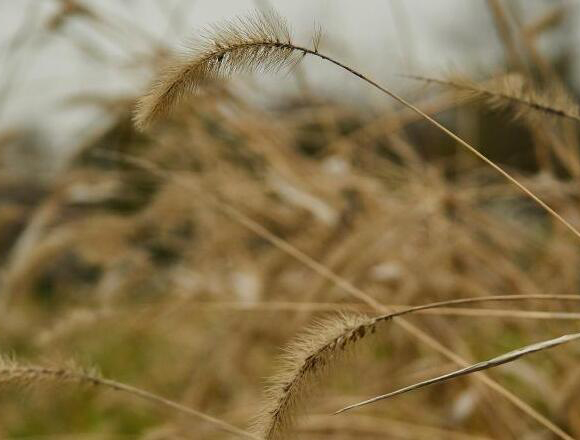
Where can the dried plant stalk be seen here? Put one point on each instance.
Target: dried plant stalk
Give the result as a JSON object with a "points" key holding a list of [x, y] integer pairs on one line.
{"points": [[505, 358], [16, 374], [513, 92]]}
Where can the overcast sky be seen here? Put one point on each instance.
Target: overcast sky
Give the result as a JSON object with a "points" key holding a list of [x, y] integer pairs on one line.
{"points": [[380, 37]]}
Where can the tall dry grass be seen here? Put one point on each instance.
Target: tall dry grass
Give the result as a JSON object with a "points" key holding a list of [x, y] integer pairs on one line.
{"points": [[180, 259]]}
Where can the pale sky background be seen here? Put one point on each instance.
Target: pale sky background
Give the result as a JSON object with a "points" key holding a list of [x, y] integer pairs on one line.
{"points": [[373, 35]]}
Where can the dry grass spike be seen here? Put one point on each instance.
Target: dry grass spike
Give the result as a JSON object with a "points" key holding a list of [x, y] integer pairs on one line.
{"points": [[17, 374], [260, 41], [514, 92], [304, 361]]}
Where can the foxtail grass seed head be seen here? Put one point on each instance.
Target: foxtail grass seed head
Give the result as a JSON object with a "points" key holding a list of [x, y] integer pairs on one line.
{"points": [[304, 361], [261, 41]]}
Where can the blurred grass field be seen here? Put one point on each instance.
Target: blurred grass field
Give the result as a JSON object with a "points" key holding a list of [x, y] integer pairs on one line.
{"points": [[136, 256]]}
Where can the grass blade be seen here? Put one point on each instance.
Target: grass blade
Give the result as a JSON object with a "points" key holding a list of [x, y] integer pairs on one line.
{"points": [[484, 365]]}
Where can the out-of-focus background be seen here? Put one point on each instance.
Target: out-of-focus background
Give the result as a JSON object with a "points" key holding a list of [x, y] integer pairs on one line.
{"points": [[50, 58], [150, 256]]}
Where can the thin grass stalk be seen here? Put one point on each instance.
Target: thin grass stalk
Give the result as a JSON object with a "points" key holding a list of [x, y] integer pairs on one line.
{"points": [[12, 373], [505, 358]]}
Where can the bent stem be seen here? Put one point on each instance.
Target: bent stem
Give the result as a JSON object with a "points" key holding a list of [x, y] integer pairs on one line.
{"points": [[445, 130]]}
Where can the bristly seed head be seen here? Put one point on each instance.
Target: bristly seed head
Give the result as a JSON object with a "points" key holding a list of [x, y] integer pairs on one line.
{"points": [[305, 360], [514, 92], [260, 41]]}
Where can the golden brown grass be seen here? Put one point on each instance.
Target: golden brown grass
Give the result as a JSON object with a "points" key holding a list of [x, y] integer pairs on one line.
{"points": [[264, 41], [180, 258]]}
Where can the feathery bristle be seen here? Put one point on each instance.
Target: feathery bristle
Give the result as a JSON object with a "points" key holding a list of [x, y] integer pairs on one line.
{"points": [[260, 41], [317, 37]]}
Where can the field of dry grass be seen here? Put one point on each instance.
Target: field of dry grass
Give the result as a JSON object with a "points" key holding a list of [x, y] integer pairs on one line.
{"points": [[230, 269]]}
